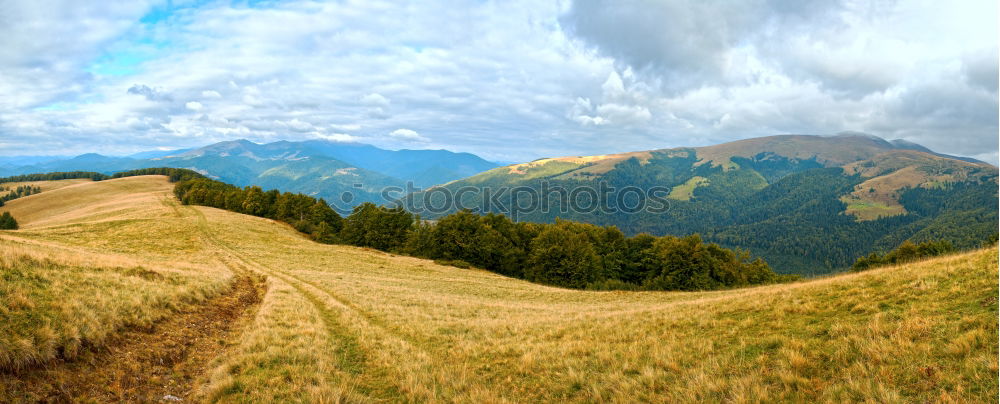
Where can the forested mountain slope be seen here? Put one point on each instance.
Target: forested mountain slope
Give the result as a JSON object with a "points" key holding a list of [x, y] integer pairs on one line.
{"points": [[807, 204]]}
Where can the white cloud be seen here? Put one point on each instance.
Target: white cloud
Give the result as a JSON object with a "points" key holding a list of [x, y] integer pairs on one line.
{"points": [[339, 137], [193, 105], [375, 99], [570, 77], [346, 127], [408, 135]]}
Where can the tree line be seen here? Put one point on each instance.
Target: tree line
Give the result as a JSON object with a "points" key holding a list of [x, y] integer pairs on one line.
{"points": [[18, 192], [67, 175], [906, 252], [175, 174], [565, 253], [307, 214]]}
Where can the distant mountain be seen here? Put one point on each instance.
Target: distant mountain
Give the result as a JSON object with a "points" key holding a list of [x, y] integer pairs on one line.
{"points": [[320, 168], [152, 154], [422, 167], [11, 162], [802, 202], [83, 162]]}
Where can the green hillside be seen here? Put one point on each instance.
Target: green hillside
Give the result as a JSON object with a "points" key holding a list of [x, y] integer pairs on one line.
{"points": [[807, 204]]}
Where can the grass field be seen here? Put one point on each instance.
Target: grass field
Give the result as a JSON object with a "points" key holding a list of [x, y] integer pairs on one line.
{"points": [[685, 191], [348, 324]]}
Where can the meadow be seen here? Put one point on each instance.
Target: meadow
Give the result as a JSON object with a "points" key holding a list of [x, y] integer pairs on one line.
{"points": [[347, 324]]}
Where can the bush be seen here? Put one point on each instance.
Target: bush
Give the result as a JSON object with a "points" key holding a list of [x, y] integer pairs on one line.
{"points": [[906, 252], [454, 263]]}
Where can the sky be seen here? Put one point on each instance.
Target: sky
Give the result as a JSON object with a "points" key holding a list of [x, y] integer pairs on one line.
{"points": [[509, 80]]}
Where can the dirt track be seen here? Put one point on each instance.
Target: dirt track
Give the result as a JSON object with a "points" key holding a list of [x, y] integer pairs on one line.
{"points": [[143, 365]]}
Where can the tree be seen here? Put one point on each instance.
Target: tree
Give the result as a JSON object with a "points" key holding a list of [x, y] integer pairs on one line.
{"points": [[254, 202], [455, 236], [420, 241], [562, 257], [378, 227], [7, 222]]}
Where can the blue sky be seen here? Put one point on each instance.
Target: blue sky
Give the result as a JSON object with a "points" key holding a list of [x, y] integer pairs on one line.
{"points": [[508, 80]]}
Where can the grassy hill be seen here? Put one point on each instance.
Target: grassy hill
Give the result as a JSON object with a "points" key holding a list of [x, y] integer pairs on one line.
{"points": [[336, 323], [807, 204]]}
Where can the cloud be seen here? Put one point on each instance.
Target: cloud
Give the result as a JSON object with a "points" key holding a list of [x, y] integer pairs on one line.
{"points": [[193, 105], [375, 99], [980, 70], [346, 127], [377, 105], [689, 43], [619, 105], [152, 94], [339, 137], [408, 135], [572, 77]]}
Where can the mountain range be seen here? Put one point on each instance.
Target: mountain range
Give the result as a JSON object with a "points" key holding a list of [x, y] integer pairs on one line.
{"points": [[345, 174], [807, 204]]}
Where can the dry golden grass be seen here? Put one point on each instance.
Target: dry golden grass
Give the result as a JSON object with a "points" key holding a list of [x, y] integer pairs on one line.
{"points": [[66, 283], [44, 185], [343, 324]]}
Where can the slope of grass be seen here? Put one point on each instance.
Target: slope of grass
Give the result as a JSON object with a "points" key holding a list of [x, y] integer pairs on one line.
{"points": [[685, 191], [864, 209], [349, 324], [44, 185], [56, 297]]}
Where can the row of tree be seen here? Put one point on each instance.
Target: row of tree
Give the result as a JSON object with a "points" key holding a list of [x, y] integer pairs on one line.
{"points": [[17, 192], [307, 214], [65, 175], [175, 174], [906, 252], [566, 253]]}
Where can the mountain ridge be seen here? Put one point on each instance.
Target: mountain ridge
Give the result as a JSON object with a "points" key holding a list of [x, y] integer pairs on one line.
{"points": [[801, 201], [345, 174]]}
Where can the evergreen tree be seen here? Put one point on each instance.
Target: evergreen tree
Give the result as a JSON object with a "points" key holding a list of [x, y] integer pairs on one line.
{"points": [[7, 222]]}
